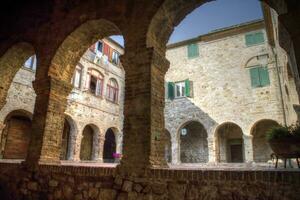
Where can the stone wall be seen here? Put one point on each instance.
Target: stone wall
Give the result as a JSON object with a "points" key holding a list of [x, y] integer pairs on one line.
{"points": [[221, 86], [83, 108], [78, 183]]}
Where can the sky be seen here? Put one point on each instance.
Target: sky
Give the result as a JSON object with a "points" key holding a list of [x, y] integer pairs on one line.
{"points": [[211, 16]]}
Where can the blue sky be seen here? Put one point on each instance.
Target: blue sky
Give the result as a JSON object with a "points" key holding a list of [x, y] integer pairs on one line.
{"points": [[214, 15]]}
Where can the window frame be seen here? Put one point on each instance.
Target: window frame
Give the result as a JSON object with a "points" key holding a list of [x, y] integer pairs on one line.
{"points": [[114, 90], [194, 55], [99, 78], [260, 69], [175, 89]]}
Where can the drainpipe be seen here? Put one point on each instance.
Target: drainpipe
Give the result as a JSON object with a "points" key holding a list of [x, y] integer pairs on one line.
{"points": [[280, 89]]}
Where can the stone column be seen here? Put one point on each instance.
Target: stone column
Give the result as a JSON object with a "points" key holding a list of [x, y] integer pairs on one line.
{"points": [[143, 110], [2, 127], [48, 120], [211, 149], [101, 148], [248, 148], [175, 149]]}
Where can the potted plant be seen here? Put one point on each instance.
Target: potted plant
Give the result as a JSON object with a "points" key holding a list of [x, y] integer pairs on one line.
{"points": [[285, 141]]}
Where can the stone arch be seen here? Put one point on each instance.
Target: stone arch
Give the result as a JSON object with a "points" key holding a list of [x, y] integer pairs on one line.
{"points": [[172, 12], [193, 143], [74, 46], [16, 135], [168, 146], [110, 145], [261, 149], [68, 138], [89, 146], [11, 61], [229, 143]]}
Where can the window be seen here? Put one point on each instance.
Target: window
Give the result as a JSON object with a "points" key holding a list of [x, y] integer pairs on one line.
{"points": [[259, 76], [94, 82], [31, 63], [254, 38], [193, 51], [112, 90], [76, 80], [179, 89], [99, 46], [115, 57]]}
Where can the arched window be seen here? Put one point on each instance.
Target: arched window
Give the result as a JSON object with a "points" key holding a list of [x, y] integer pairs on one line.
{"points": [[112, 90], [76, 80], [94, 82]]}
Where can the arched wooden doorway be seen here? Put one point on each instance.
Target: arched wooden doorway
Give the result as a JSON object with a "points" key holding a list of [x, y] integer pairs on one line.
{"points": [[16, 135], [86, 147], [109, 146]]}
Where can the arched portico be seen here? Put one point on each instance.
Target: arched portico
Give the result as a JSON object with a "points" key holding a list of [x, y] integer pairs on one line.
{"points": [[229, 143]]}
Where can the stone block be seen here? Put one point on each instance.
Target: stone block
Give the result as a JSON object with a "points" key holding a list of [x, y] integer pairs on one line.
{"points": [[107, 194], [127, 186]]}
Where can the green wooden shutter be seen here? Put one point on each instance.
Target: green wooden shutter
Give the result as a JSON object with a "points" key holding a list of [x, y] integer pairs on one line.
{"points": [[264, 76], [259, 37], [187, 88], [249, 39], [193, 50], [171, 90], [254, 74]]}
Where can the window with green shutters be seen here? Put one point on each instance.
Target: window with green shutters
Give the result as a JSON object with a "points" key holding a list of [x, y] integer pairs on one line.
{"points": [[254, 38], [193, 51], [259, 76], [179, 89]]}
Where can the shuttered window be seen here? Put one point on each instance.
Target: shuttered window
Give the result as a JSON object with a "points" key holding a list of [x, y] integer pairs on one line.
{"points": [[254, 38], [193, 51], [179, 89], [259, 76]]}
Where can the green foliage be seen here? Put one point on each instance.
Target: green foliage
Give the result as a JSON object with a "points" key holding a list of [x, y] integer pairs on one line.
{"points": [[278, 132], [282, 132]]}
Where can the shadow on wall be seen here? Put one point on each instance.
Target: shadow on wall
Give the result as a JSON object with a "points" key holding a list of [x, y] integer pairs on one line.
{"points": [[189, 127]]}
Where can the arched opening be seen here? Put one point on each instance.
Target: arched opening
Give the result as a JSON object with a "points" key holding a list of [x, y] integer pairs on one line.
{"points": [[261, 149], [16, 135], [230, 146], [65, 141], [113, 90], [193, 143], [109, 149], [12, 60], [87, 147], [168, 147]]}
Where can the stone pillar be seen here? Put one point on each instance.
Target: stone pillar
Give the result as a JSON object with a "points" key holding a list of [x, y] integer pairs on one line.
{"points": [[175, 149], [77, 143], [101, 148], [48, 120], [2, 127], [248, 148], [144, 144], [211, 149]]}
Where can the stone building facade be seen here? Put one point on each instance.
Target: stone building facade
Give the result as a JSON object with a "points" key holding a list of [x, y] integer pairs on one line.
{"points": [[94, 114], [224, 90]]}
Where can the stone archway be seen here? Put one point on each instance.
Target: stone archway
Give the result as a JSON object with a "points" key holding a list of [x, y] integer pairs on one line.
{"points": [[16, 135], [86, 146], [109, 148], [193, 143], [12, 60], [229, 143], [261, 149]]}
